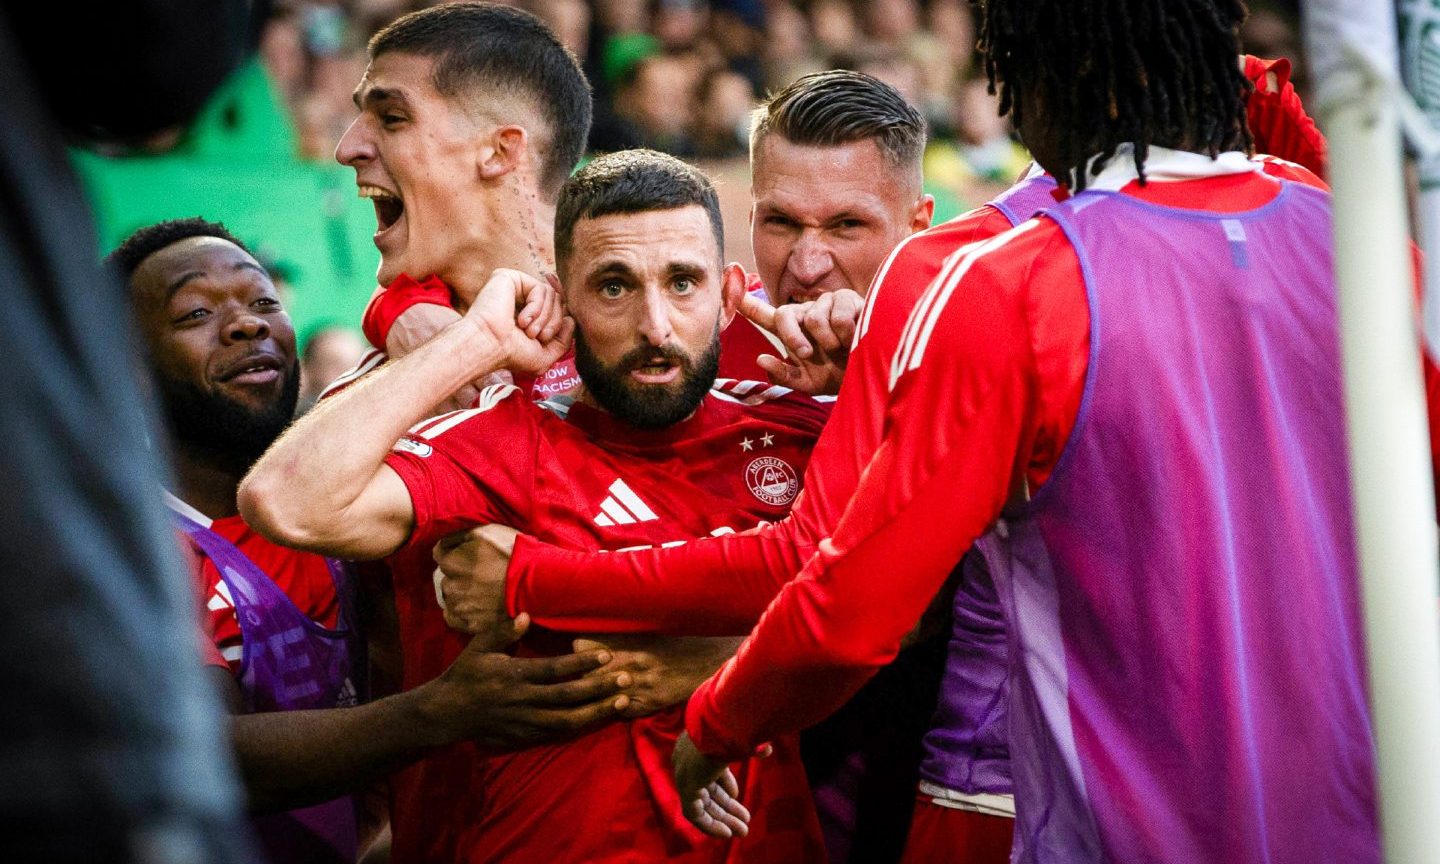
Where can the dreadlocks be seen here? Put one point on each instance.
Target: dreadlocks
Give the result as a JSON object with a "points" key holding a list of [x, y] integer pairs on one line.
{"points": [[1108, 72]]}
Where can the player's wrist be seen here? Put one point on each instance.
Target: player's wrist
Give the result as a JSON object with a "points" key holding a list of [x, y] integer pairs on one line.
{"points": [[473, 347]]}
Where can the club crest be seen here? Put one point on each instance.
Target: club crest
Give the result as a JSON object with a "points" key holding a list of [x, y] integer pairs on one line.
{"points": [[772, 481]]}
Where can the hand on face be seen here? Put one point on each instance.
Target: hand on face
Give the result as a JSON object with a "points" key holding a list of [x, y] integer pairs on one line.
{"points": [[525, 317], [817, 337]]}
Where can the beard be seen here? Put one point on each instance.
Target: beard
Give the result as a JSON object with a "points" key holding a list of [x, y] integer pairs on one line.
{"points": [[234, 433], [649, 406]]}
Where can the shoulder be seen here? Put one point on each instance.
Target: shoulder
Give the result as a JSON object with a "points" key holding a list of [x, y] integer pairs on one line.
{"points": [[1283, 169], [500, 409], [368, 363], [772, 403]]}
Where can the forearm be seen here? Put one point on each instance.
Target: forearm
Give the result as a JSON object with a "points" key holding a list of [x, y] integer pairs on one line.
{"points": [[709, 587], [291, 759], [303, 491]]}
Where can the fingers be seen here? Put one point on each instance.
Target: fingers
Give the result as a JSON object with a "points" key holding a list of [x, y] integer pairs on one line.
{"points": [[545, 670], [722, 813], [724, 794], [491, 642], [792, 334], [780, 372], [581, 645], [581, 691], [463, 398], [759, 313]]}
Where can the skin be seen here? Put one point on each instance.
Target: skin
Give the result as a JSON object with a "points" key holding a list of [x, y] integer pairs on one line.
{"points": [[820, 222], [469, 183], [207, 311], [649, 280]]}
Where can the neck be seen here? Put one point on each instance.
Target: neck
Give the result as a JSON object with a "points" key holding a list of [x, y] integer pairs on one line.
{"points": [[205, 481], [521, 237]]}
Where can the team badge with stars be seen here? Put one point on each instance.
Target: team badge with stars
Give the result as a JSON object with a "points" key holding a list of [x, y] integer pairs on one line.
{"points": [[772, 481]]}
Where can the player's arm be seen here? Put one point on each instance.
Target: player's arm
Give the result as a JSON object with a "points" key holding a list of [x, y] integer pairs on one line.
{"points": [[406, 314], [323, 486], [1278, 120], [713, 586], [290, 759], [962, 415]]}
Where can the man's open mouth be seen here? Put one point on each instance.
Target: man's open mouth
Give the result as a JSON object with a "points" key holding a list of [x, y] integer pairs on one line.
{"points": [[388, 206]]}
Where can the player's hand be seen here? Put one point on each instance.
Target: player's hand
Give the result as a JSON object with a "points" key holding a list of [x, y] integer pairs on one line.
{"points": [[508, 703], [709, 794], [816, 336], [418, 325], [660, 671], [525, 317], [470, 579]]}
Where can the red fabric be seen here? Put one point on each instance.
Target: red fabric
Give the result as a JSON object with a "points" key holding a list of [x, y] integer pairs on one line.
{"points": [[1278, 120], [608, 795], [934, 486], [947, 835], [721, 585], [397, 297], [303, 576]]}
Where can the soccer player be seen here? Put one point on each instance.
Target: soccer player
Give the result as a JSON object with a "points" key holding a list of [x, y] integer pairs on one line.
{"points": [[1139, 391], [965, 810], [821, 225], [647, 455], [286, 651]]}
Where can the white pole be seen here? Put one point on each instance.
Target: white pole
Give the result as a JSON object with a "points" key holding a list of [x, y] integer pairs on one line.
{"points": [[1353, 51]]}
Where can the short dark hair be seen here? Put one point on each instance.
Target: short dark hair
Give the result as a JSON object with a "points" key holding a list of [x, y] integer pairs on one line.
{"points": [[1121, 71], [633, 181], [146, 241], [504, 50], [828, 109]]}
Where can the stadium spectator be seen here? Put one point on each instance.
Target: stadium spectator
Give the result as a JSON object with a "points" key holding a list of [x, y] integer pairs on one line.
{"points": [[329, 353]]}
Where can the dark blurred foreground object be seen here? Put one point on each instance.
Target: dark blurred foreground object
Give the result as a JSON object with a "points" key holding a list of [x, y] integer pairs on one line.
{"points": [[112, 747]]}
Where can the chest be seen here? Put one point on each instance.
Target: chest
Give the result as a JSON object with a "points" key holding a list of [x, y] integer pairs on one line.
{"points": [[729, 480]]}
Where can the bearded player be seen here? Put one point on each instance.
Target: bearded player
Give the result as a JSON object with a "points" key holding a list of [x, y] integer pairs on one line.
{"points": [[647, 455], [965, 806]]}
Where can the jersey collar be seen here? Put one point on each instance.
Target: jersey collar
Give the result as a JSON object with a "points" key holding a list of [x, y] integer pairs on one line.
{"points": [[1163, 165]]}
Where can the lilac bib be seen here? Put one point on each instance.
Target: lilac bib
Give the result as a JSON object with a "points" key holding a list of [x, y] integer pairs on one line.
{"points": [[967, 747], [1187, 669], [291, 663]]}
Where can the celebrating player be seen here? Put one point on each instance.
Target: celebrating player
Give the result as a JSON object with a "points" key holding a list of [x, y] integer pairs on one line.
{"points": [[644, 457], [1145, 381], [286, 647]]}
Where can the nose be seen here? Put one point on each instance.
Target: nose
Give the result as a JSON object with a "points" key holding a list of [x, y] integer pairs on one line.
{"points": [[355, 145], [810, 259], [246, 326], [655, 327]]}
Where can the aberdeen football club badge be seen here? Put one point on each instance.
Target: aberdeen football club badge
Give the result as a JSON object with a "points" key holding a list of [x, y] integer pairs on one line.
{"points": [[772, 481]]}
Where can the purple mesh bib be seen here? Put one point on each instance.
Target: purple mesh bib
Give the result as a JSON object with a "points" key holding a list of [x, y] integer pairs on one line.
{"points": [[291, 663], [967, 747], [1187, 671]]}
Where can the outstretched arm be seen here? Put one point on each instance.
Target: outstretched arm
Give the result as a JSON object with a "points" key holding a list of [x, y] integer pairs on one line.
{"points": [[291, 759], [324, 486]]}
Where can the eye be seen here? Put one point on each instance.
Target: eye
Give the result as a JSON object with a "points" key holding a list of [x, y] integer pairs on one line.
{"points": [[850, 224], [268, 304], [389, 120], [684, 285], [611, 290], [192, 316], [779, 222]]}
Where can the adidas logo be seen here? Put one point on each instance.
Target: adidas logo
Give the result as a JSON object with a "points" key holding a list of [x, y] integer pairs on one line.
{"points": [[623, 507]]}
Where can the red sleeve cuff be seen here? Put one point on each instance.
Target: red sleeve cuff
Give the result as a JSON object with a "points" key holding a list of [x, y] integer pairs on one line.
{"points": [[703, 724], [397, 297]]}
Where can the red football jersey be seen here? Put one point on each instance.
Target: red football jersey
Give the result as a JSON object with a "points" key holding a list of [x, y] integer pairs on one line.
{"points": [[575, 476], [303, 576]]}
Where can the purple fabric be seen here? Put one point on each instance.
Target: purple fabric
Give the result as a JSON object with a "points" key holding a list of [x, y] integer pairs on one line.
{"points": [[967, 747], [291, 663], [1188, 682]]}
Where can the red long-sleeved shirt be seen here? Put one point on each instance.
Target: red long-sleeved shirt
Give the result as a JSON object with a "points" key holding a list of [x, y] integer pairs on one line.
{"points": [[996, 405], [725, 583]]}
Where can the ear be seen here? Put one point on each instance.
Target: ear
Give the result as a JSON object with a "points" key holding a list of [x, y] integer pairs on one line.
{"points": [[503, 151], [923, 213], [732, 288]]}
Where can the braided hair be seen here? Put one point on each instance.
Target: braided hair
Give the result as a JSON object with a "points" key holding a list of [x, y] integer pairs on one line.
{"points": [[1108, 72]]}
